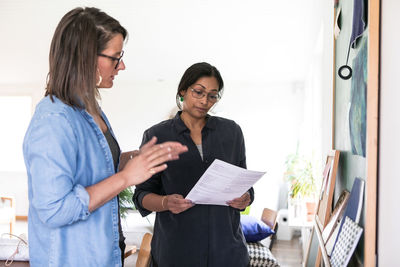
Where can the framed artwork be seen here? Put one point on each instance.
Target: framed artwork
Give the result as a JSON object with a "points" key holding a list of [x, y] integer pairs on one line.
{"points": [[336, 216], [324, 208], [372, 131], [362, 120], [348, 239]]}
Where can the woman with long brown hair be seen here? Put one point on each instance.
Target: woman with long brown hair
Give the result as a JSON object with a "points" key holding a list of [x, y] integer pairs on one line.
{"points": [[74, 163]]}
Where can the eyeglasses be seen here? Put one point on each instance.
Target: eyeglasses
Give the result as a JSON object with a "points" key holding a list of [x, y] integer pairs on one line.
{"points": [[199, 94], [118, 59]]}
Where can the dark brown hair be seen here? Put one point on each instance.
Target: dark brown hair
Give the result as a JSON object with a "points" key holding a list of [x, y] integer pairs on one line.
{"points": [[195, 72], [80, 35]]}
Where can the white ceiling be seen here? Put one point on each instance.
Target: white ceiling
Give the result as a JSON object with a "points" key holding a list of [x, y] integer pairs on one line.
{"points": [[252, 41]]}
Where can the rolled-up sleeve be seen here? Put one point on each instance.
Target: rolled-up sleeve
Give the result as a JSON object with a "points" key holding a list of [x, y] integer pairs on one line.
{"points": [[152, 185], [50, 151], [83, 196], [138, 196]]}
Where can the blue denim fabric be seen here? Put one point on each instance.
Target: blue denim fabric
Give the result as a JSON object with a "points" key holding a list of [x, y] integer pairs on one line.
{"points": [[65, 151]]}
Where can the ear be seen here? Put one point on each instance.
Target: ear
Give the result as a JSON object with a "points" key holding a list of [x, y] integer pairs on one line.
{"points": [[182, 93]]}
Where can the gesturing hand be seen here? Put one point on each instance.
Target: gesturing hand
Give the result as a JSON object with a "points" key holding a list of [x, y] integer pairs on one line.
{"points": [[240, 202], [125, 157], [151, 160], [176, 203]]}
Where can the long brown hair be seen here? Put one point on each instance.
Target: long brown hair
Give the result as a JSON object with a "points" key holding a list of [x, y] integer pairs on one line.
{"points": [[80, 36]]}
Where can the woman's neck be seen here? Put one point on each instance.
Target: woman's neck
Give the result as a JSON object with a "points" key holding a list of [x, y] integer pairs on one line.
{"points": [[193, 123]]}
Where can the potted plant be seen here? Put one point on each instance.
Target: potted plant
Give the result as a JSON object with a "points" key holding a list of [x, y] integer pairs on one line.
{"points": [[126, 202], [302, 184]]}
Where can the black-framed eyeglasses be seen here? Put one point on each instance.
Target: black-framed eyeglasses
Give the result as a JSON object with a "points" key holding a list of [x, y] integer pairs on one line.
{"points": [[118, 59], [199, 94]]}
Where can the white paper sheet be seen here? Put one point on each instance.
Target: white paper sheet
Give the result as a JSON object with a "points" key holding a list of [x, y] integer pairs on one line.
{"points": [[222, 182]]}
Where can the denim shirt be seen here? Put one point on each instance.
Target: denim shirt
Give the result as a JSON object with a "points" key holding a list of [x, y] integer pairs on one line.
{"points": [[65, 151]]}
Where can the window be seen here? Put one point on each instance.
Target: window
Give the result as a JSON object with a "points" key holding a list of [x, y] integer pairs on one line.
{"points": [[14, 120]]}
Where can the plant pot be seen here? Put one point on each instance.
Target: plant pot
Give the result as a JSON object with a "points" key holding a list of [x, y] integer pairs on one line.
{"points": [[295, 208], [311, 209]]}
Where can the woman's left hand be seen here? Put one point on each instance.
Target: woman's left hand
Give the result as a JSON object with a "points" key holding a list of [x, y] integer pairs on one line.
{"points": [[241, 202]]}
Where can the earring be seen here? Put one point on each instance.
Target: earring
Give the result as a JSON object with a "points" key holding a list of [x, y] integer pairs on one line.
{"points": [[100, 79], [181, 98]]}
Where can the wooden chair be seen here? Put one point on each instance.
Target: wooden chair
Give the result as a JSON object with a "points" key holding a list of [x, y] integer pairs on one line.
{"points": [[269, 217], [143, 259]]}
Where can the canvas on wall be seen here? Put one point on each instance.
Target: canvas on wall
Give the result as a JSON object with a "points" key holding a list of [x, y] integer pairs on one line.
{"points": [[357, 113]]}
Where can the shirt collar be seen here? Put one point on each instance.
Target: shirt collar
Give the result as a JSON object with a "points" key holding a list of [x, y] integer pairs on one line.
{"points": [[181, 127]]}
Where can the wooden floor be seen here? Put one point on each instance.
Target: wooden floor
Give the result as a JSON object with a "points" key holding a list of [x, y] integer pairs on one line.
{"points": [[288, 253]]}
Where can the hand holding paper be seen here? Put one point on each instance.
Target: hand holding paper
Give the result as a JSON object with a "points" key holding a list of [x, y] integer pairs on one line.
{"points": [[222, 182], [240, 202]]}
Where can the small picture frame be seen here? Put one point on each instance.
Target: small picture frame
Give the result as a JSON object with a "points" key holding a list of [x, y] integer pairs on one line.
{"points": [[324, 208]]}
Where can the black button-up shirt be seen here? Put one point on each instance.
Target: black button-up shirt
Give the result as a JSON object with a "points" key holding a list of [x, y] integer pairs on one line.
{"points": [[204, 235]]}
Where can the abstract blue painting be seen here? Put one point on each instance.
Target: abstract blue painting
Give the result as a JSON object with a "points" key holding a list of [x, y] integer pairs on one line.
{"points": [[357, 116]]}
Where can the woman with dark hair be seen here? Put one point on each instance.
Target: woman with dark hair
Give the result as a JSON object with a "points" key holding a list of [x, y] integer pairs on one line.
{"points": [[186, 234], [71, 154]]}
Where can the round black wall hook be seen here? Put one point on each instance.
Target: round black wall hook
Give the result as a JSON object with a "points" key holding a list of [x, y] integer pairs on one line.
{"points": [[345, 68], [342, 72]]}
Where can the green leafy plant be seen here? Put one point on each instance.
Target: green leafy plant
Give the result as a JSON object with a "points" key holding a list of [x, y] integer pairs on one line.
{"points": [[299, 175], [126, 202]]}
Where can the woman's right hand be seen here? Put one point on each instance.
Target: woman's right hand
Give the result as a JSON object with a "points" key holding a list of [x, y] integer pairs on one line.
{"points": [[176, 203], [151, 160]]}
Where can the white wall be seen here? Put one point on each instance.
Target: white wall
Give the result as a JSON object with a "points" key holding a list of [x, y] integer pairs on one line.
{"points": [[316, 132], [265, 51], [389, 142], [249, 41]]}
